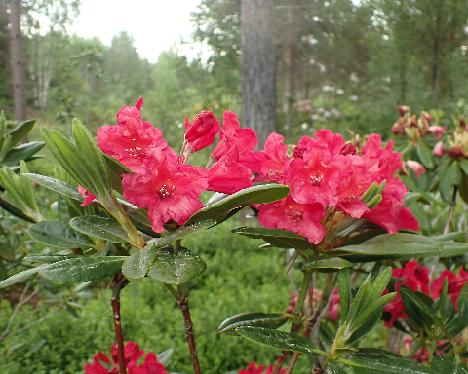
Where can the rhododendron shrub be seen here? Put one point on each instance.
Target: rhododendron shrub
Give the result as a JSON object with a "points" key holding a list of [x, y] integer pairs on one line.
{"points": [[337, 207]]}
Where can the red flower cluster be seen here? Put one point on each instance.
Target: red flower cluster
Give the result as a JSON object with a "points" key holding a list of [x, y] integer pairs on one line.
{"points": [[324, 172], [102, 364], [416, 278], [161, 181], [260, 369]]}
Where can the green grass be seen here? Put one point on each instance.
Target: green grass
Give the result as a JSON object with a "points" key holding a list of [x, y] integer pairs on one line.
{"points": [[240, 278]]}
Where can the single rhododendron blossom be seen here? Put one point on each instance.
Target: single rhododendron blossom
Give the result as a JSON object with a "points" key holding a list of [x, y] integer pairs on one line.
{"points": [[202, 132], [102, 364], [131, 141], [167, 189]]}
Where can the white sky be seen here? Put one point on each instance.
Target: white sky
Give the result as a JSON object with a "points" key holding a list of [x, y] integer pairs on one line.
{"points": [[155, 25]]}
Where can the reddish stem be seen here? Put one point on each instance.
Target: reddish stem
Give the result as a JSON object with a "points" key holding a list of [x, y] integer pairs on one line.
{"points": [[118, 282], [188, 328]]}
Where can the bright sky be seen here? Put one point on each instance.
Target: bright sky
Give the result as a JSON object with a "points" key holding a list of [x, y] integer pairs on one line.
{"points": [[155, 25]]}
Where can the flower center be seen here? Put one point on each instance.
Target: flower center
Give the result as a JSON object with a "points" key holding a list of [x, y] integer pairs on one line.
{"points": [[316, 179], [166, 190], [133, 152]]}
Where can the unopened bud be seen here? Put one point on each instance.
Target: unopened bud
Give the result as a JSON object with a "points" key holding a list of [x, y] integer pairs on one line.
{"points": [[439, 149], [403, 109], [462, 123]]}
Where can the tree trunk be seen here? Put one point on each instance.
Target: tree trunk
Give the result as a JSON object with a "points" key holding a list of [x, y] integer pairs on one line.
{"points": [[435, 69], [258, 67], [17, 61], [289, 84]]}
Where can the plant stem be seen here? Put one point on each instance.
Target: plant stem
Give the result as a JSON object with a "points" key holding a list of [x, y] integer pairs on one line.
{"points": [[188, 329], [298, 312], [118, 282]]}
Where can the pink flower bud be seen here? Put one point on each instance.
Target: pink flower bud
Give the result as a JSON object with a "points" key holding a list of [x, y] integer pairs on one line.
{"points": [[416, 167], [403, 109], [201, 133], [437, 131], [439, 149]]}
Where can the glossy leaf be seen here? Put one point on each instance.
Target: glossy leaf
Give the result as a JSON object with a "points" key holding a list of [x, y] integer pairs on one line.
{"points": [[177, 266], [137, 265], [327, 264], [451, 177], [55, 185], [284, 341], [20, 131], [180, 233], [220, 210], [268, 320], [82, 269], [277, 238], [386, 362], [100, 227], [22, 276], [398, 246], [58, 234], [22, 152], [344, 290]]}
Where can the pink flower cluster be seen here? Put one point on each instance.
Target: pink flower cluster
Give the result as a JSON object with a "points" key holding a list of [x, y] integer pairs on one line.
{"points": [[416, 277], [325, 173], [161, 180], [253, 368], [102, 364]]}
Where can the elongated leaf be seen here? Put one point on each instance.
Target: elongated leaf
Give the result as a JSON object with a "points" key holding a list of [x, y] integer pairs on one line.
{"points": [[55, 185], [137, 265], [180, 233], [451, 177], [115, 170], [177, 266], [16, 211], [277, 339], [58, 234], [100, 227], [262, 194], [83, 269], [344, 289], [327, 265], [386, 362], [425, 154], [22, 152], [22, 276], [268, 320], [398, 246], [277, 238], [20, 131], [48, 259]]}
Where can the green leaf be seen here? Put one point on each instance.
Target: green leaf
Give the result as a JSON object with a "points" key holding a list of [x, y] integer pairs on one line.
{"points": [[177, 266], [398, 246], [22, 276], [262, 194], [20, 131], [277, 238], [268, 320], [82, 269], [277, 339], [385, 362], [16, 211], [451, 177], [137, 265], [327, 265], [58, 234], [47, 259], [55, 185], [180, 233], [22, 152], [344, 290], [115, 170], [100, 227], [425, 154]]}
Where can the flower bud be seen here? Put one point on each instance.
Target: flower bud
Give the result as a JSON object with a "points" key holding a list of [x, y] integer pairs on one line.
{"points": [[403, 109], [416, 167], [439, 149], [201, 133]]}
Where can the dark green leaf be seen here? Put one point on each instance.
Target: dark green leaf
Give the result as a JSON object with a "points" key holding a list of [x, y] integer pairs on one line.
{"points": [[176, 266], [22, 152], [344, 289], [425, 154], [58, 234], [22, 276], [137, 265], [451, 177], [277, 238], [115, 169], [82, 269], [55, 185], [100, 227], [277, 339], [327, 264], [180, 233], [47, 259], [16, 211], [268, 320], [386, 362], [398, 246], [20, 131], [262, 194]]}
